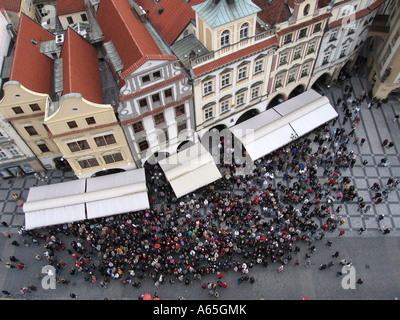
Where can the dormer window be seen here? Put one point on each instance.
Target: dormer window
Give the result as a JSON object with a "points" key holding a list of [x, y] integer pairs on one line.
{"points": [[306, 9], [225, 38], [244, 31]]}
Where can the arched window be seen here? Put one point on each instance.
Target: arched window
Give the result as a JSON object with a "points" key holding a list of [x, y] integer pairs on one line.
{"points": [[225, 38], [306, 9], [244, 31]]}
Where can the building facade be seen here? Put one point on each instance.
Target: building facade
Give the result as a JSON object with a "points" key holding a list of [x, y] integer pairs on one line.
{"points": [[384, 58], [300, 26], [16, 158], [28, 92], [344, 37], [155, 96], [229, 78], [85, 130]]}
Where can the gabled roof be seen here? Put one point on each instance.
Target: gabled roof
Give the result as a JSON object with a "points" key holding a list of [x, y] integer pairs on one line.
{"points": [[175, 16], [218, 13], [30, 67], [11, 5], [129, 35], [80, 68], [70, 6]]}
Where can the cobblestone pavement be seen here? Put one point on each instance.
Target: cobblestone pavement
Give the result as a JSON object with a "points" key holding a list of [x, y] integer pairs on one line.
{"points": [[376, 256]]}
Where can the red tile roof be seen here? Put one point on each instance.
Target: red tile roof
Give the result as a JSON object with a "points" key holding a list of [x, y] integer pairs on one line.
{"points": [[11, 5], [175, 16], [80, 68], [274, 12], [70, 6], [30, 67], [218, 63], [130, 36]]}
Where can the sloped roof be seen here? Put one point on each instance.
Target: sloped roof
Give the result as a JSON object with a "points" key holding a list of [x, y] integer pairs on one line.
{"points": [[130, 36], [11, 5], [218, 13], [30, 67], [80, 68], [175, 16], [277, 11], [70, 6]]}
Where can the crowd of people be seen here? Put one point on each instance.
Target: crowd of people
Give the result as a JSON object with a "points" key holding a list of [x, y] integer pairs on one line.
{"points": [[232, 224]]}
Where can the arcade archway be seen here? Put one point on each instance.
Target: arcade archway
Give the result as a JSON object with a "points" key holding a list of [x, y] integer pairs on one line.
{"points": [[275, 101], [247, 115], [296, 91]]}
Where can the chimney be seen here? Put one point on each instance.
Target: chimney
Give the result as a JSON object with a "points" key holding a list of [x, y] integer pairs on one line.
{"points": [[160, 10]]}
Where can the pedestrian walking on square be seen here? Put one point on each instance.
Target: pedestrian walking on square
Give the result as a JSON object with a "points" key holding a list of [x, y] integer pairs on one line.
{"points": [[391, 144], [396, 117], [367, 208], [6, 292], [361, 230], [385, 142]]}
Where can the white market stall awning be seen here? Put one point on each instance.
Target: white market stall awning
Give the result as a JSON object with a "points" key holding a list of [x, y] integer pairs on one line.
{"points": [[116, 193], [284, 123], [53, 204], [190, 169], [86, 199]]}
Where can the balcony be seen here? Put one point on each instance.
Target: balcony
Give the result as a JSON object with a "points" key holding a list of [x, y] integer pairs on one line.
{"points": [[232, 48]]}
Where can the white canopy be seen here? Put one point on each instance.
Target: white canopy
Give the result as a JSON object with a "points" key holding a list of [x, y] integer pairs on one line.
{"points": [[53, 204], [190, 169], [86, 199], [282, 124], [116, 193]]}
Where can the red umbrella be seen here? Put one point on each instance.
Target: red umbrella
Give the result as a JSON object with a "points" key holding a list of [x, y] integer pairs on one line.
{"points": [[147, 296]]}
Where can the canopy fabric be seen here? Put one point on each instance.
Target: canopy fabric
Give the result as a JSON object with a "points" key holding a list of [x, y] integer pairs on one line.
{"points": [[120, 192], [190, 169], [43, 207], [86, 199], [282, 124]]}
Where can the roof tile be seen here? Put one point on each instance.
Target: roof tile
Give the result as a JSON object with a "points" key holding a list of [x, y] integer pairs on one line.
{"points": [[30, 67], [70, 6], [130, 36], [80, 68], [175, 16], [11, 5]]}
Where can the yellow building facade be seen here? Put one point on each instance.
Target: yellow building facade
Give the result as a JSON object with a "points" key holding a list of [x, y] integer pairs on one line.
{"points": [[24, 110], [88, 135]]}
